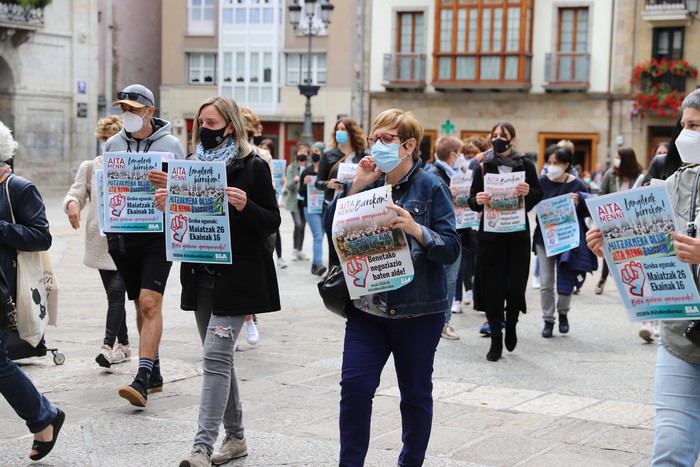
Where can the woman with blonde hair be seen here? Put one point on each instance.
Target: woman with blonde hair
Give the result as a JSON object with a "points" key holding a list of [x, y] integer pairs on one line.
{"points": [[405, 322], [221, 295], [115, 345]]}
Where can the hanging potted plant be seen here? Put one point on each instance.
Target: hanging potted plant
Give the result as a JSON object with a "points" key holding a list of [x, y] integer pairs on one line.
{"points": [[658, 86]]}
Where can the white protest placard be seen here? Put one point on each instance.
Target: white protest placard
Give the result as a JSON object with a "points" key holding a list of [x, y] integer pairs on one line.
{"points": [[197, 213], [374, 257], [460, 186], [314, 197], [637, 243], [346, 171], [505, 212], [559, 224]]}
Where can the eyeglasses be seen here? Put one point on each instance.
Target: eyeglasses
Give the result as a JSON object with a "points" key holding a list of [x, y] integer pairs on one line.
{"points": [[385, 138], [132, 96]]}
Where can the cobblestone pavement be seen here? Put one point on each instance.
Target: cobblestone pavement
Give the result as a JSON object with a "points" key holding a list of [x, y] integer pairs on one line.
{"points": [[580, 399]]}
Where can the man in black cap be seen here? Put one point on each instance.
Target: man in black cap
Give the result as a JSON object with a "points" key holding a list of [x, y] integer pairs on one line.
{"points": [[140, 257]]}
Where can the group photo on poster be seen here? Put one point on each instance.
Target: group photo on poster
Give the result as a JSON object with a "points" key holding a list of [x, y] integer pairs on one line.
{"points": [[128, 194], [197, 213], [374, 257], [505, 212], [460, 185], [637, 243]]}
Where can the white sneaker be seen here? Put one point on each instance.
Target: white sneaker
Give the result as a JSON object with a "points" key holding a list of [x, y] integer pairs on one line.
{"points": [[655, 329], [235, 346], [197, 458], [231, 448], [536, 284], [448, 332], [281, 263], [121, 353], [456, 307], [104, 358], [468, 297], [251, 333], [295, 255], [301, 256]]}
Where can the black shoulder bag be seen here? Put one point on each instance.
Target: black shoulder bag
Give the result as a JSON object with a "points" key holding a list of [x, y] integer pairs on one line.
{"points": [[333, 289], [248, 163]]}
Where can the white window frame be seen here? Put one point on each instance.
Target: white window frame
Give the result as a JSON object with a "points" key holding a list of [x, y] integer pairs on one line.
{"points": [[248, 86], [302, 68], [196, 59], [254, 12], [197, 25]]}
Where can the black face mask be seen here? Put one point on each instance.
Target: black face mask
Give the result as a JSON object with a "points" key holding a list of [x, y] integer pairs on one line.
{"points": [[500, 145], [301, 157], [211, 138], [257, 140], [315, 157]]}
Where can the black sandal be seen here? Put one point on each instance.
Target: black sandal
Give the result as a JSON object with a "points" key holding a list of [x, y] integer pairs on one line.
{"points": [[43, 448]]}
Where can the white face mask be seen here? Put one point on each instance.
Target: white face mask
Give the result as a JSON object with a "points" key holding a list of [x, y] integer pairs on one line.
{"points": [[459, 163], [132, 121], [688, 144], [555, 172], [617, 162]]}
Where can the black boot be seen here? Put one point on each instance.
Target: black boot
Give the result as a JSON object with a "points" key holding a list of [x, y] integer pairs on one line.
{"points": [[548, 328], [563, 324], [511, 337], [496, 349]]}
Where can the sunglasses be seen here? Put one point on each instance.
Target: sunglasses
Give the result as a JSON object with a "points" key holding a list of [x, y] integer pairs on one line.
{"points": [[132, 96], [385, 138]]}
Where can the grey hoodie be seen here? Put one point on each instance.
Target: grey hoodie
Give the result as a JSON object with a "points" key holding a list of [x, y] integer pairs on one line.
{"points": [[161, 140]]}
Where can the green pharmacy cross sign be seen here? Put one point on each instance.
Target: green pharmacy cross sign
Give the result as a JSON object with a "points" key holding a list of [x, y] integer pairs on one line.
{"points": [[447, 127]]}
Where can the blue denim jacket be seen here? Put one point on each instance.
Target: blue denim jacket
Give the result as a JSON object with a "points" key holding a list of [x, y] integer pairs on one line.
{"points": [[429, 201]]}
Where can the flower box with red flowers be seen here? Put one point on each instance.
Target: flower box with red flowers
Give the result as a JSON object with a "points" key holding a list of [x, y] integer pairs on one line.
{"points": [[658, 86]]}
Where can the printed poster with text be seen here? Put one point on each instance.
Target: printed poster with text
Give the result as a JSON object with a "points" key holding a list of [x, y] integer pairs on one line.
{"points": [[506, 210], [638, 247], [128, 195], [197, 213], [314, 197], [100, 200], [460, 186], [374, 257], [278, 168], [559, 224], [346, 171]]}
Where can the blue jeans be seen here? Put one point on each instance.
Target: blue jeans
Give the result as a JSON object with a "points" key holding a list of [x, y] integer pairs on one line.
{"points": [[451, 273], [369, 340], [21, 394], [676, 441], [314, 221]]}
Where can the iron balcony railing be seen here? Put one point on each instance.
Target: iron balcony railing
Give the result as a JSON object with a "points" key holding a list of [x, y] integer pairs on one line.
{"points": [[13, 14], [568, 68], [404, 69], [665, 5]]}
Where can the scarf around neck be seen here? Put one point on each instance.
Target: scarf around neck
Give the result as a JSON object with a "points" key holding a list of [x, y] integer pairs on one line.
{"points": [[444, 166], [514, 160], [5, 171], [223, 152]]}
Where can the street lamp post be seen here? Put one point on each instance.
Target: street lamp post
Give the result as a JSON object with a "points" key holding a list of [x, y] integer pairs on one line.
{"points": [[307, 89]]}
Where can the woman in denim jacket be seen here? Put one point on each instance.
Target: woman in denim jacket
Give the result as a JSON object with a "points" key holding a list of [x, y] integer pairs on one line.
{"points": [[406, 322]]}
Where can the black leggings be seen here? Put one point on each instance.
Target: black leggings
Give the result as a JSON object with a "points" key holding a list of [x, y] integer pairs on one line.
{"points": [[115, 326]]}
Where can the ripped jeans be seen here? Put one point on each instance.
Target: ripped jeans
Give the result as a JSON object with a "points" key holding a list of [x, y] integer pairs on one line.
{"points": [[220, 400]]}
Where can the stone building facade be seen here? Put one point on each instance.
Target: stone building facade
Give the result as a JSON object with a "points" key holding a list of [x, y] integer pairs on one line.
{"points": [[48, 92]]}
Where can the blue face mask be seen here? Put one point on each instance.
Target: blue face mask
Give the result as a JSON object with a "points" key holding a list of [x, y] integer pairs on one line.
{"points": [[341, 136], [386, 156]]}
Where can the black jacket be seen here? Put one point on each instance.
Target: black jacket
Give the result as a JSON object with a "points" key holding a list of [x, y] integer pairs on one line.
{"points": [[326, 171], [249, 284], [532, 198], [31, 231]]}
